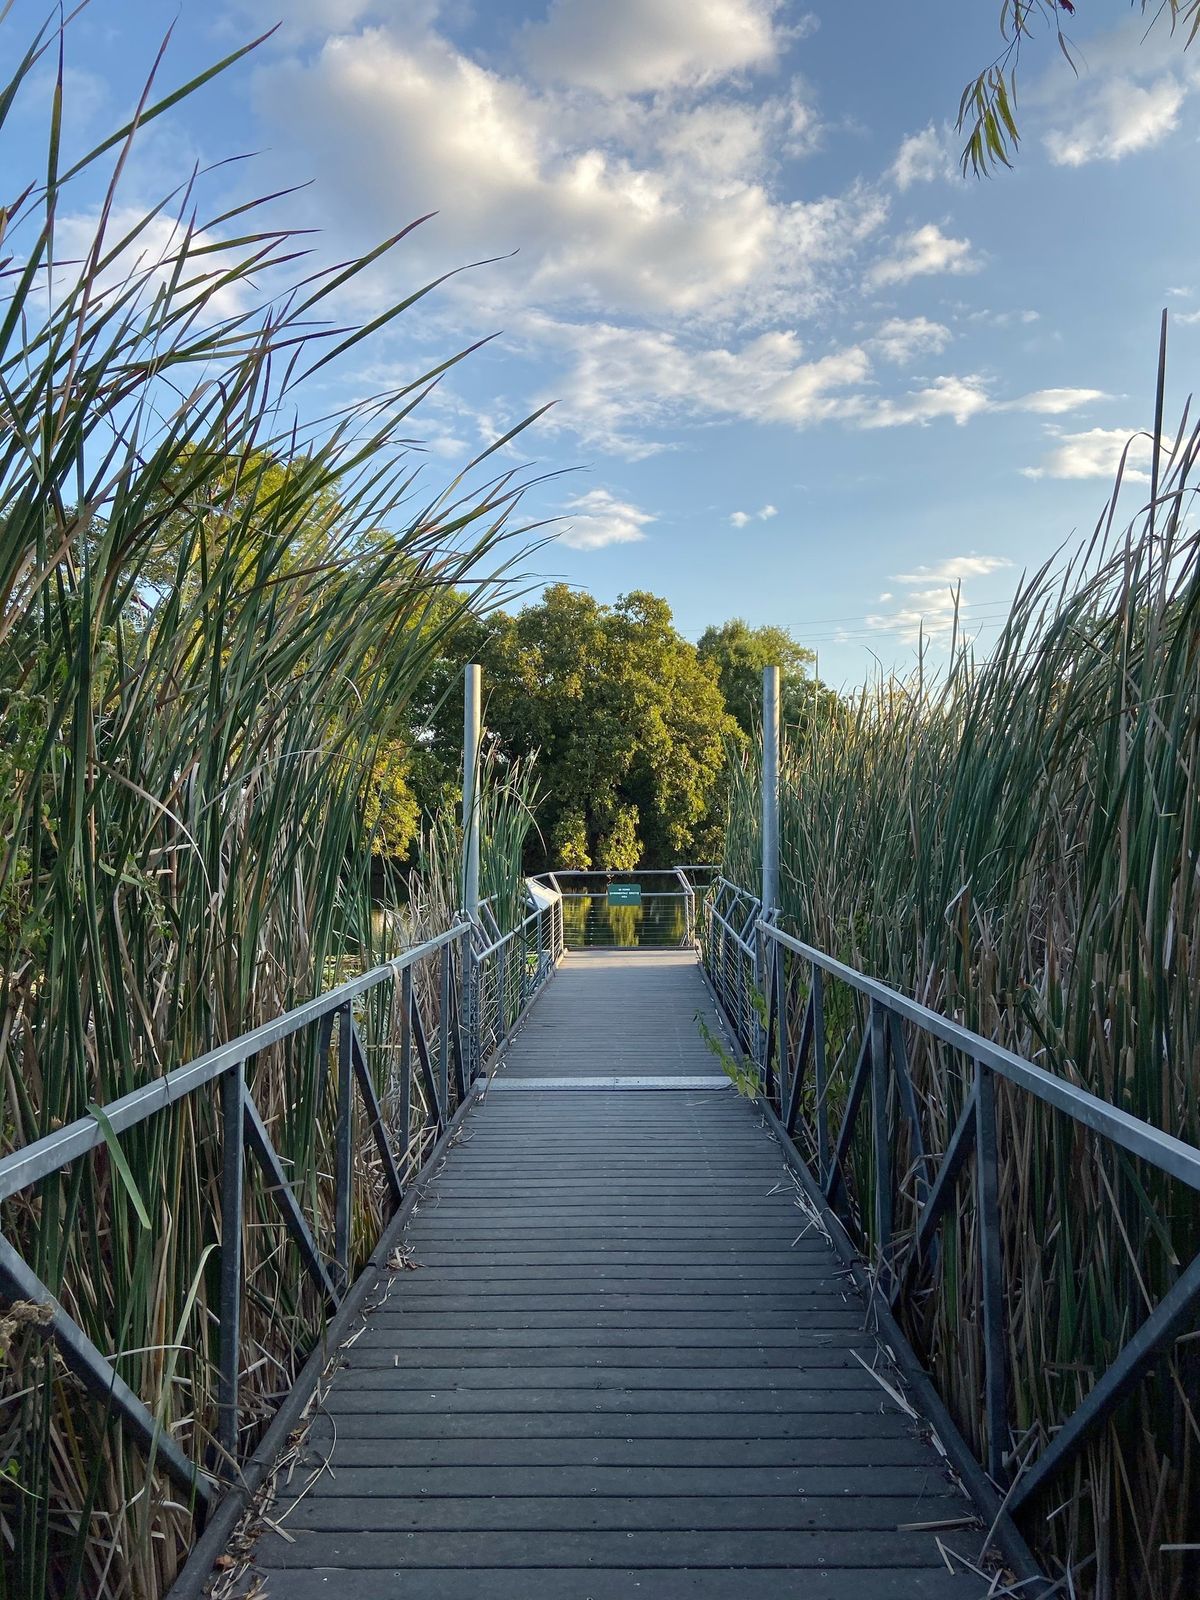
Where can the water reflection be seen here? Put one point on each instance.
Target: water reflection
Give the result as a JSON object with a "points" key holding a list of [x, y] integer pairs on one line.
{"points": [[588, 919]]}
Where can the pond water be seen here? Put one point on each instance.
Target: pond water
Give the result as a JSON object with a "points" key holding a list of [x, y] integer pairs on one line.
{"points": [[589, 920]]}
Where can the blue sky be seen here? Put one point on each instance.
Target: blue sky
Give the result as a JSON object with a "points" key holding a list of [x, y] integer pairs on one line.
{"points": [[807, 373]]}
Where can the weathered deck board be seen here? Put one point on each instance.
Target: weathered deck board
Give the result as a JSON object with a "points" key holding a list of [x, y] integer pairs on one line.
{"points": [[624, 1365]]}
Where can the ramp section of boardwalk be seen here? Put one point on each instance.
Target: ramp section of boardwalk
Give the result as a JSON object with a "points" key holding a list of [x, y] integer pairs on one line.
{"points": [[623, 1364]]}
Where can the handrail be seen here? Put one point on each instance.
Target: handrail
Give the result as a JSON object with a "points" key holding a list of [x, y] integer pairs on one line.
{"points": [[56, 1150], [1140, 1138], [783, 1044], [478, 1007]]}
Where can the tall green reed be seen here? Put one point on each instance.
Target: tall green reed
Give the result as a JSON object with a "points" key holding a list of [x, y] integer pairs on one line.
{"points": [[1014, 841], [213, 614]]}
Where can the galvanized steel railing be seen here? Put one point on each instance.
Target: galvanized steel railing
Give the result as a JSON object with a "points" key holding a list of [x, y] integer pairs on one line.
{"points": [[778, 994], [459, 996], [663, 918]]}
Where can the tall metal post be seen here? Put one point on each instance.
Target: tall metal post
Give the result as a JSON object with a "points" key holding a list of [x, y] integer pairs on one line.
{"points": [[471, 735], [770, 790]]}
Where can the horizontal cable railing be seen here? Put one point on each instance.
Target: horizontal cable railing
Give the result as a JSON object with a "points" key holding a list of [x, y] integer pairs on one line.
{"points": [[649, 908], [392, 1055], [922, 1198]]}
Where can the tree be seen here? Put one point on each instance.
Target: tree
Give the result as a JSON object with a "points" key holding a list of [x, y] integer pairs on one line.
{"points": [[988, 102], [628, 724], [738, 653]]}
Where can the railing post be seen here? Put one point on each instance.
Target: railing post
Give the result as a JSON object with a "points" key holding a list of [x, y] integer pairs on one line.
{"points": [[406, 1005], [233, 1122], [501, 1008], [472, 692], [991, 1269], [770, 790], [344, 1155], [817, 994], [444, 1029], [883, 1150]]}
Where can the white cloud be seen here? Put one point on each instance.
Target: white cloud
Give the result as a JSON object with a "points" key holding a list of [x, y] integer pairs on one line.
{"points": [[1120, 116], [934, 595], [598, 518], [764, 514], [900, 338], [625, 381], [151, 259], [949, 396], [610, 206], [1002, 319], [1054, 402], [1095, 454], [926, 250], [954, 569], [922, 158], [630, 46], [1187, 317]]}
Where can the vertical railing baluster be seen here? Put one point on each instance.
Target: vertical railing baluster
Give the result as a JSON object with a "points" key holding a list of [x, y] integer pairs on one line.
{"points": [[344, 1155], [883, 1149], [785, 1043], [991, 1267], [406, 1005], [233, 1120], [771, 1032], [501, 1010], [820, 1079], [444, 1031]]}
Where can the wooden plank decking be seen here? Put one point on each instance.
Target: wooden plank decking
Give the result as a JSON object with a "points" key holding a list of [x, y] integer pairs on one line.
{"points": [[624, 1368]]}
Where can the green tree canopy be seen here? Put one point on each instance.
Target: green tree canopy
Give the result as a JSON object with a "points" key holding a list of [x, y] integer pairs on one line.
{"points": [[628, 723], [738, 653]]}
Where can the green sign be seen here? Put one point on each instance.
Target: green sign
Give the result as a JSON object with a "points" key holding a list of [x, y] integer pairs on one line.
{"points": [[624, 894]]}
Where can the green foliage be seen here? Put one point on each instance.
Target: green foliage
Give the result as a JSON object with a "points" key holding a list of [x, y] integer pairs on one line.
{"points": [[986, 110], [628, 723], [739, 653], [1015, 842], [214, 620]]}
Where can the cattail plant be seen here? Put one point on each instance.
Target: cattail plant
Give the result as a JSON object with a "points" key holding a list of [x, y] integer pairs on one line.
{"points": [[1014, 841], [216, 601]]}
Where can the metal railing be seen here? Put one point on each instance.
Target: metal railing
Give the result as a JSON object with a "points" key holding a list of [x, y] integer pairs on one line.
{"points": [[887, 1194], [663, 917], [432, 1018]]}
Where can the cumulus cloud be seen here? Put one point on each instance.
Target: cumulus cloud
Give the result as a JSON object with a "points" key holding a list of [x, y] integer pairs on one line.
{"points": [[1095, 453], [151, 258], [1187, 317], [1120, 117], [922, 158], [739, 519], [607, 207], [598, 518], [934, 597], [926, 250], [948, 396], [1054, 402], [625, 381], [630, 46], [1002, 319], [900, 338]]}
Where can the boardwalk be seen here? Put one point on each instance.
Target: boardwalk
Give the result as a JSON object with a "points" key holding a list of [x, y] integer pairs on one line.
{"points": [[624, 1365]]}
